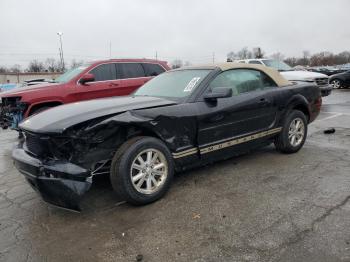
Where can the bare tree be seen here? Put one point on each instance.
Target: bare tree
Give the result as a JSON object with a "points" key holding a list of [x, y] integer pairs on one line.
{"points": [[75, 63], [292, 61], [320, 59], [15, 68], [36, 66], [277, 56], [231, 56], [3, 69], [305, 60], [244, 53], [342, 58], [52, 65]]}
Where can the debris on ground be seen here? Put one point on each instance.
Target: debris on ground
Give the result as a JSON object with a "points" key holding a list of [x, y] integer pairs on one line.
{"points": [[196, 216], [139, 257], [329, 131]]}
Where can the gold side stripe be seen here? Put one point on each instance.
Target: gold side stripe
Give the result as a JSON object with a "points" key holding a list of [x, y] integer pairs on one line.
{"points": [[239, 140], [186, 154], [186, 151], [227, 143]]}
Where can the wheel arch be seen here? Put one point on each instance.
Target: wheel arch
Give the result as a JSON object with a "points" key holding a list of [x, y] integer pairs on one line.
{"points": [[140, 130], [300, 103], [33, 107]]}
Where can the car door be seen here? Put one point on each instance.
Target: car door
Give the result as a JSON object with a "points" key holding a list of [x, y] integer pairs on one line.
{"points": [[250, 110], [132, 76], [105, 84], [347, 78]]}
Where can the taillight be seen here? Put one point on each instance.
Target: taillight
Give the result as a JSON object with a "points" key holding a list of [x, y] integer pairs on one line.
{"points": [[318, 103]]}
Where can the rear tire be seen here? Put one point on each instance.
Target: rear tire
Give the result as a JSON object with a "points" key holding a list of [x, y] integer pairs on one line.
{"points": [[294, 132], [142, 170], [336, 83]]}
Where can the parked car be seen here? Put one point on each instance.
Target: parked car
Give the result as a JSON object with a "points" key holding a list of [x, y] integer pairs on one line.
{"points": [[37, 81], [295, 75], [116, 77], [180, 119], [7, 87], [327, 70], [341, 80]]}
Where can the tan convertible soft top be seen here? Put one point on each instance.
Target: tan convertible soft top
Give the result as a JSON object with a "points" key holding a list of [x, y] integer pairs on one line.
{"points": [[274, 74]]}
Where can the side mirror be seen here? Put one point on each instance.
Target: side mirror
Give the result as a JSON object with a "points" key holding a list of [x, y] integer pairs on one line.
{"points": [[218, 92], [86, 78]]}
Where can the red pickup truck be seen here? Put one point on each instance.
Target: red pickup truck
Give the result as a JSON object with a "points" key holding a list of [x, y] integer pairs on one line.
{"points": [[115, 77]]}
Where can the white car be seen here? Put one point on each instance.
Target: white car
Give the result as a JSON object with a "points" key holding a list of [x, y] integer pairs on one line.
{"points": [[290, 74]]}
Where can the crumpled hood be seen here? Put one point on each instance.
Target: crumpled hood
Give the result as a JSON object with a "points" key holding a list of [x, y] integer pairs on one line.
{"points": [[59, 118], [302, 75], [18, 91]]}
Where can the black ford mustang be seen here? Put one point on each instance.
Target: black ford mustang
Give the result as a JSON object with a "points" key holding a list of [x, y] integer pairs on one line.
{"points": [[180, 119]]}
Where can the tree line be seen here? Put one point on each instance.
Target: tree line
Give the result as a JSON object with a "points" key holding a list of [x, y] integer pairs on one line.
{"points": [[306, 59], [51, 65]]}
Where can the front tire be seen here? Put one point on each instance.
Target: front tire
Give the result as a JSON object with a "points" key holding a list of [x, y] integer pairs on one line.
{"points": [[142, 170], [294, 132]]}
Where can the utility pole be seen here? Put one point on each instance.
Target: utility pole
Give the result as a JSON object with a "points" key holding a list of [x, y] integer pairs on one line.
{"points": [[110, 49], [59, 50], [213, 57], [156, 55], [62, 59]]}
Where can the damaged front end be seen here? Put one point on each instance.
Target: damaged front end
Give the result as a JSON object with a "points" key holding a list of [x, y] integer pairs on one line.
{"points": [[58, 181], [60, 167], [11, 112]]}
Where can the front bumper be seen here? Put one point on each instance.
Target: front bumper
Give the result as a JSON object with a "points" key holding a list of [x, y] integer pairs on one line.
{"points": [[326, 90], [10, 117], [59, 183]]}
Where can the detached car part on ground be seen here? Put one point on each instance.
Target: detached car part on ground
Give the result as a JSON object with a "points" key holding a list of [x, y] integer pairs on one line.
{"points": [[114, 77], [178, 120], [291, 74]]}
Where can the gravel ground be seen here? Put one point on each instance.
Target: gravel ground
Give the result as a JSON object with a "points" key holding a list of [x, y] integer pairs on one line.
{"points": [[263, 206]]}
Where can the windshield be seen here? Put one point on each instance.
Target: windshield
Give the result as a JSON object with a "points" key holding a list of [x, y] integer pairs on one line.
{"points": [[70, 74], [174, 84], [279, 65]]}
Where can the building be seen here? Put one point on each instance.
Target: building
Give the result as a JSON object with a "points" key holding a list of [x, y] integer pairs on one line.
{"points": [[21, 77]]}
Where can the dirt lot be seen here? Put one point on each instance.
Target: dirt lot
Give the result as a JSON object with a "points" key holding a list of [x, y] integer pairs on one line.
{"points": [[264, 206]]}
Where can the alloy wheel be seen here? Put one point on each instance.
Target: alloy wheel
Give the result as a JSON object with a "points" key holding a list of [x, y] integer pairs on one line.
{"points": [[149, 171], [296, 132], [336, 84]]}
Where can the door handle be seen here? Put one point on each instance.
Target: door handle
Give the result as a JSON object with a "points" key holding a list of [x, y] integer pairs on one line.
{"points": [[113, 84]]}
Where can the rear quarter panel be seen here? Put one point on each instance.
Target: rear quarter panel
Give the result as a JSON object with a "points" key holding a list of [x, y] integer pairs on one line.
{"points": [[298, 94]]}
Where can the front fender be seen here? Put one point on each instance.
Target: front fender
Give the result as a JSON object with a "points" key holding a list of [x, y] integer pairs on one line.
{"points": [[175, 132], [32, 105]]}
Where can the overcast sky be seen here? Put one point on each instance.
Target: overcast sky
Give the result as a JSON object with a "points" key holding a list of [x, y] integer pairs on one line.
{"points": [[190, 30]]}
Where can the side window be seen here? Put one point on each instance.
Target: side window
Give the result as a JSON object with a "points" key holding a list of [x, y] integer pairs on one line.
{"points": [[104, 72], [242, 81], [266, 81], [130, 70], [256, 62], [152, 69]]}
